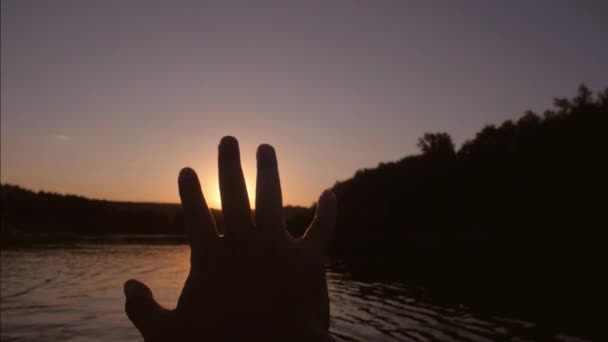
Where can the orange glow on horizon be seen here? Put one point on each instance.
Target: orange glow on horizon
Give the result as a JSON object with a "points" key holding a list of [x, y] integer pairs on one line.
{"points": [[214, 199]]}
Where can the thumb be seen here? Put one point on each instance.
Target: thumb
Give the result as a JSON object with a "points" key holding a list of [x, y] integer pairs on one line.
{"points": [[149, 317], [319, 233]]}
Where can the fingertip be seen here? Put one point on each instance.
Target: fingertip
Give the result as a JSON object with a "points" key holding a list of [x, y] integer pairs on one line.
{"points": [[129, 287], [188, 185], [187, 175], [265, 150], [326, 204], [228, 150], [327, 196], [228, 139], [134, 289], [228, 142], [186, 172], [140, 304], [266, 156]]}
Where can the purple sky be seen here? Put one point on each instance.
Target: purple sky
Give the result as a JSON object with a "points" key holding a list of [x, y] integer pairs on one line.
{"points": [[109, 99]]}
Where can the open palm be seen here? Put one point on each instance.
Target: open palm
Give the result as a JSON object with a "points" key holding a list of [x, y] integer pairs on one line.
{"points": [[254, 282]]}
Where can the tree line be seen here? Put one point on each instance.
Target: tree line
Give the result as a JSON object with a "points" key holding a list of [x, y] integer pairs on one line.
{"points": [[514, 219], [28, 216]]}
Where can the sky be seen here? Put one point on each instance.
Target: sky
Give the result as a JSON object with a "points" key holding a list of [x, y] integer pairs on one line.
{"points": [[110, 99]]}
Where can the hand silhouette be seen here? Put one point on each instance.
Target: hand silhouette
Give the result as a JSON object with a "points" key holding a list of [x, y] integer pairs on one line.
{"points": [[254, 282]]}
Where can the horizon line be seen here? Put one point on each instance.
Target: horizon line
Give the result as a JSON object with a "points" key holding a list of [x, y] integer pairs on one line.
{"points": [[36, 191]]}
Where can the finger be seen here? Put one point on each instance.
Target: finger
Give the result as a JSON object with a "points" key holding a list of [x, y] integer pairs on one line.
{"points": [[268, 200], [200, 226], [235, 202], [319, 232], [149, 317]]}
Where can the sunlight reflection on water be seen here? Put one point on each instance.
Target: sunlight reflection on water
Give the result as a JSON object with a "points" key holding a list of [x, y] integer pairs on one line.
{"points": [[60, 293]]}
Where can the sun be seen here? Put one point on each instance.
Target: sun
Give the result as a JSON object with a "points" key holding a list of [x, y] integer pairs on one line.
{"points": [[214, 199]]}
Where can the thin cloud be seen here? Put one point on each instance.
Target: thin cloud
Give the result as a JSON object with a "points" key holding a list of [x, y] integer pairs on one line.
{"points": [[61, 137]]}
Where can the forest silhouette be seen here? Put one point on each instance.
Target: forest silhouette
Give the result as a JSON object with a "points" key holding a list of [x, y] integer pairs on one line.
{"points": [[512, 221]]}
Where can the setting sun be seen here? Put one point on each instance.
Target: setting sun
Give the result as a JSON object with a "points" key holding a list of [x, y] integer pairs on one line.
{"points": [[214, 200]]}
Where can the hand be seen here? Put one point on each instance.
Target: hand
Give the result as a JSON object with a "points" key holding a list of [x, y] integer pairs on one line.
{"points": [[254, 282]]}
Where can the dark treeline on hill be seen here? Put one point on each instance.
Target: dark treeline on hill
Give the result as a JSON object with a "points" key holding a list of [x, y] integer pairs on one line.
{"points": [[514, 219], [31, 213], [26, 214]]}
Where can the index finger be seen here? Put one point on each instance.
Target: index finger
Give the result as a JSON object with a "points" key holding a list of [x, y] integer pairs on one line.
{"points": [[199, 222]]}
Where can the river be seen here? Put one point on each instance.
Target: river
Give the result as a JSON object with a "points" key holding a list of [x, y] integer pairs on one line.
{"points": [[74, 293]]}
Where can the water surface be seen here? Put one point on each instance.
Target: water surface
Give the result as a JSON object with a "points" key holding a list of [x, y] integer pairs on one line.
{"points": [[59, 293]]}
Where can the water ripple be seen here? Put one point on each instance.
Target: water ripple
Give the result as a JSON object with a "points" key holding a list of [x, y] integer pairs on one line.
{"points": [[68, 293]]}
